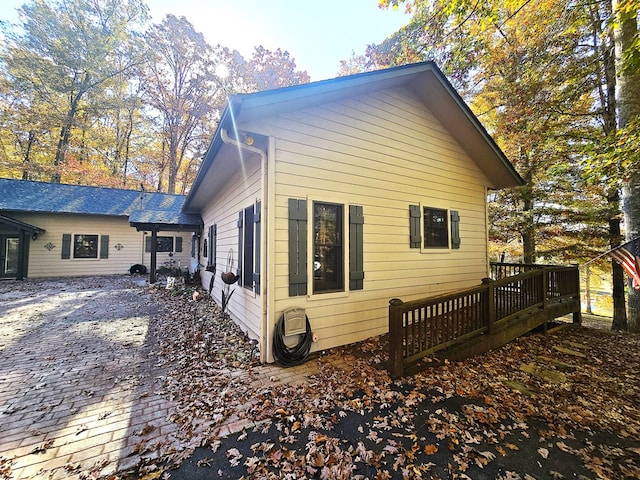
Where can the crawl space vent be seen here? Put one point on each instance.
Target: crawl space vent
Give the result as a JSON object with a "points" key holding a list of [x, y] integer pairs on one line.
{"points": [[295, 321]]}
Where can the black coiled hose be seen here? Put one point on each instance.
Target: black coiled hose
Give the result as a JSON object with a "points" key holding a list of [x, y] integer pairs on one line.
{"points": [[295, 355]]}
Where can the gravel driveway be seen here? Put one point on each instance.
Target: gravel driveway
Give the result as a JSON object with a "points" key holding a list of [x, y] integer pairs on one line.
{"points": [[77, 377]]}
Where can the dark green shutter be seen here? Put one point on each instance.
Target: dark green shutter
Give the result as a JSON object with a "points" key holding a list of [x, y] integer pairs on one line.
{"points": [[66, 246], [247, 261], [104, 246], [178, 244], [147, 244], [415, 236], [213, 234], [257, 215], [356, 242], [297, 247], [455, 229], [240, 250], [193, 246]]}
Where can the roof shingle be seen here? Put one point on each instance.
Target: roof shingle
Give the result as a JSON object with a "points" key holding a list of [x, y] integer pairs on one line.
{"points": [[41, 197]]}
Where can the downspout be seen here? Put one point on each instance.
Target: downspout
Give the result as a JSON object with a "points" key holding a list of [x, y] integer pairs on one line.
{"points": [[263, 260]]}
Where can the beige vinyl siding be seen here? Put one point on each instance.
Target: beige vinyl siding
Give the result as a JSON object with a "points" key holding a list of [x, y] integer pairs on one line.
{"points": [[45, 262], [239, 193], [384, 151]]}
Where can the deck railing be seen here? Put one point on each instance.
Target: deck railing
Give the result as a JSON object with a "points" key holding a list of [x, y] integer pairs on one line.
{"points": [[421, 327], [501, 270]]}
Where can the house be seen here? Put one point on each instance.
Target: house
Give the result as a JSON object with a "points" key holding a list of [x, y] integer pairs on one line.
{"points": [[50, 229], [328, 199]]}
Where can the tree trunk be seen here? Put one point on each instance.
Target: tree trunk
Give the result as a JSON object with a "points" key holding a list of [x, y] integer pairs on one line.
{"points": [[173, 166], [610, 124], [587, 289], [631, 195], [628, 95], [529, 229], [27, 154], [617, 274], [63, 142], [65, 131]]}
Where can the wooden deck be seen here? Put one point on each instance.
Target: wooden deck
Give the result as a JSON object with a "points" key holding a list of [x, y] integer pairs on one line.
{"points": [[516, 300]]}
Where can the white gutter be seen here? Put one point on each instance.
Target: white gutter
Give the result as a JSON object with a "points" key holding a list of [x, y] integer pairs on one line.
{"points": [[265, 344]]}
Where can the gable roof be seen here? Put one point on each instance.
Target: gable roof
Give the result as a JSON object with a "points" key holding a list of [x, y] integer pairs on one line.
{"points": [[42, 197], [12, 222], [424, 79]]}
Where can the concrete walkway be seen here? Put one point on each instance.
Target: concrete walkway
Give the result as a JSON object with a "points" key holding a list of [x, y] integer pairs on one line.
{"points": [[80, 392]]}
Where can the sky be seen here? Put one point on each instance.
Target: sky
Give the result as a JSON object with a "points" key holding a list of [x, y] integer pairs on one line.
{"points": [[316, 33]]}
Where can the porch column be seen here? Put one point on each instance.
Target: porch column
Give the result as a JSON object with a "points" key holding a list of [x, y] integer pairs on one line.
{"points": [[23, 254], [154, 246]]}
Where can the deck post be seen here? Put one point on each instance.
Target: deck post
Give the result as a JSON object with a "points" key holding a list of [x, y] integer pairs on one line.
{"points": [[544, 281], [577, 315], [490, 307], [396, 340]]}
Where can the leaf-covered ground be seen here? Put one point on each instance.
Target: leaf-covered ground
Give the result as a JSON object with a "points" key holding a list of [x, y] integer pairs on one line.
{"points": [[561, 405]]}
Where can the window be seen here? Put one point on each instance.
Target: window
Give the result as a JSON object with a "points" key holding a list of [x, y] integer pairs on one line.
{"points": [[85, 246], [327, 248], [164, 244], [436, 224], [195, 245], [436, 227]]}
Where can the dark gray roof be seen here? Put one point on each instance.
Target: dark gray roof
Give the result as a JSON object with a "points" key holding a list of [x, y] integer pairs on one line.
{"points": [[145, 218], [40, 197]]}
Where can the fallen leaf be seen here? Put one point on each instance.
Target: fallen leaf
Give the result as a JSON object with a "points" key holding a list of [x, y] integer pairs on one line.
{"points": [[234, 456], [430, 449]]}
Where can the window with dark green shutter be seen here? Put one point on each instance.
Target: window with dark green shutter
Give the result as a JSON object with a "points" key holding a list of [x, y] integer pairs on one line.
{"points": [[433, 228], [356, 243], [84, 246], [297, 247]]}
